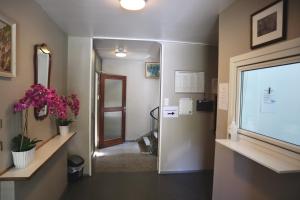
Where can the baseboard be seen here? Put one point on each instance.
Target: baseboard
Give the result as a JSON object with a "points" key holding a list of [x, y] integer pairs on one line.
{"points": [[185, 172], [130, 140]]}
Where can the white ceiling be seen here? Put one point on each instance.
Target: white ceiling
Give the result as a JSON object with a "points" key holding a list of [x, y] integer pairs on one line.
{"points": [[136, 50], [176, 20]]}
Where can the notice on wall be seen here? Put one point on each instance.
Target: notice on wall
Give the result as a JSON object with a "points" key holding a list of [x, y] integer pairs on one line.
{"points": [[185, 106], [268, 101], [189, 82], [170, 111], [223, 96]]}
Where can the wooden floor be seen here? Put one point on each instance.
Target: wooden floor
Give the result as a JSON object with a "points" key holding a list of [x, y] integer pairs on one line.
{"points": [[142, 186]]}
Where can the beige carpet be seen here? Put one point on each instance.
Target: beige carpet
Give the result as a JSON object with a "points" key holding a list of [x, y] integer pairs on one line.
{"points": [[128, 162]]}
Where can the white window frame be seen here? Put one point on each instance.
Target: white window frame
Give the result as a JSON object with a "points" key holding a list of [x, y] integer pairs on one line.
{"points": [[275, 55]]}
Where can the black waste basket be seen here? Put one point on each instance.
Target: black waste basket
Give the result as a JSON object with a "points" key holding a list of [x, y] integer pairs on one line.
{"points": [[75, 168]]}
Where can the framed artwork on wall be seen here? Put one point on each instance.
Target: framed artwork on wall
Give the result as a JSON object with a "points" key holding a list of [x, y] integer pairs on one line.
{"points": [[152, 70], [7, 47], [268, 25]]}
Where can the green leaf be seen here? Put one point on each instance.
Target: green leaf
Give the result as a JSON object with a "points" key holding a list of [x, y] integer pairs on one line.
{"points": [[22, 143]]}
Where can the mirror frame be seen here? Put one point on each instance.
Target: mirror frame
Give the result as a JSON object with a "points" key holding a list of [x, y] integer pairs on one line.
{"points": [[43, 47]]}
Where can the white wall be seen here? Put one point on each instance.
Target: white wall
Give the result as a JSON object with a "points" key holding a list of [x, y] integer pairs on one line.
{"points": [[97, 63], [142, 94], [79, 81], [187, 142]]}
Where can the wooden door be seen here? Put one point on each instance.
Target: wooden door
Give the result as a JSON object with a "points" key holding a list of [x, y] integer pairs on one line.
{"points": [[112, 110]]}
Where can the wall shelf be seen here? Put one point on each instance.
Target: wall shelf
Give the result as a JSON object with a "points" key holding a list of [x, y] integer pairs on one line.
{"points": [[279, 162], [43, 154]]}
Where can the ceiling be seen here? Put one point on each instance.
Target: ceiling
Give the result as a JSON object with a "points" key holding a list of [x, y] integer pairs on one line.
{"points": [[175, 20], [136, 50]]}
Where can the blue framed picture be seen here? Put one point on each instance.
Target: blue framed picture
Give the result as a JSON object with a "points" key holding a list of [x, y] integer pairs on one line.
{"points": [[152, 70]]}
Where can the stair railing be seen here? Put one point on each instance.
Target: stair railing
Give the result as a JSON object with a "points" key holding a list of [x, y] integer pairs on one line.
{"points": [[154, 119]]}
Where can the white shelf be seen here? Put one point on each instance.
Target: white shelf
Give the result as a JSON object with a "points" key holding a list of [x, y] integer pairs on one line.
{"points": [[42, 154], [274, 160]]}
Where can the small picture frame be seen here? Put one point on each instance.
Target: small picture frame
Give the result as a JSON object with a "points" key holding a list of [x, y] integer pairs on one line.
{"points": [[268, 25], [152, 70], [7, 47]]}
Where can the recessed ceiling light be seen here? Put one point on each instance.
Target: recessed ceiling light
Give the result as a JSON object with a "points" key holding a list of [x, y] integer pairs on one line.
{"points": [[121, 53], [133, 4]]}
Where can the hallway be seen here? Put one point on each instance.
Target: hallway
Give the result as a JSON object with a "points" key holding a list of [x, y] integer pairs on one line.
{"points": [[142, 186]]}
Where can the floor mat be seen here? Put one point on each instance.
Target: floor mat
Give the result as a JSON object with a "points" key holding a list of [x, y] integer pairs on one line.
{"points": [[128, 162]]}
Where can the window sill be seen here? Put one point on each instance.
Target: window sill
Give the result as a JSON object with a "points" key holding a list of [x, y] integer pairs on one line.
{"points": [[42, 155], [275, 160]]}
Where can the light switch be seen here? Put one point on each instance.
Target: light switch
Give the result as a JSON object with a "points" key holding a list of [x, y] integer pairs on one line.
{"points": [[166, 101]]}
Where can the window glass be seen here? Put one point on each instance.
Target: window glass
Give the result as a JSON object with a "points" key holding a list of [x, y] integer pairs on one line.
{"points": [[270, 102]]}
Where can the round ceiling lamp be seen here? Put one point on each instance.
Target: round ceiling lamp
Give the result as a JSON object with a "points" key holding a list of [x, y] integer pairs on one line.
{"points": [[133, 4], [121, 53]]}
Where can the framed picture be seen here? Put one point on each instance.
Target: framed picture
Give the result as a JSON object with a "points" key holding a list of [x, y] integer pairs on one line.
{"points": [[268, 25], [7, 47], [152, 70]]}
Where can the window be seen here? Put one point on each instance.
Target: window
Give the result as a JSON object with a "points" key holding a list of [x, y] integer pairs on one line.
{"points": [[264, 103], [269, 102]]}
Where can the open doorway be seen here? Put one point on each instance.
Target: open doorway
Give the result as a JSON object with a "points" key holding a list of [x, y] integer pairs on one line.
{"points": [[127, 88]]}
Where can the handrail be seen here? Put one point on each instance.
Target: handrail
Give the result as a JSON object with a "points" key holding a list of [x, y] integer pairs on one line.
{"points": [[152, 113]]}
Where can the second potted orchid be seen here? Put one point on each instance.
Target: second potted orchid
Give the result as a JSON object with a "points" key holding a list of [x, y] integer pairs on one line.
{"points": [[63, 120]]}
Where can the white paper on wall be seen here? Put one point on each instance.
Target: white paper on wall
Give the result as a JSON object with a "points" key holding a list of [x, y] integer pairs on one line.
{"points": [[185, 106], [189, 82], [223, 96]]}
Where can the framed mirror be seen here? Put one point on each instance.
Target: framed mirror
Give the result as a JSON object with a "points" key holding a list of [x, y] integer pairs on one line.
{"points": [[42, 71]]}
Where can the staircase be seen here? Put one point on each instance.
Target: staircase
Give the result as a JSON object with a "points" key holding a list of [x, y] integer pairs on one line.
{"points": [[148, 143]]}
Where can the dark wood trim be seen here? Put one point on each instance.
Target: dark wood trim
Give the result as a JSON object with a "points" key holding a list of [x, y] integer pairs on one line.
{"points": [[36, 48], [116, 109], [284, 28], [112, 142], [102, 110]]}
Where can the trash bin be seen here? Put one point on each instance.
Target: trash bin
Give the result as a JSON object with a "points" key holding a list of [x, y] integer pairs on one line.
{"points": [[75, 168]]}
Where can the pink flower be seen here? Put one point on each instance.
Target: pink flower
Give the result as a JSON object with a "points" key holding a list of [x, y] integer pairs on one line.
{"points": [[74, 104], [38, 97]]}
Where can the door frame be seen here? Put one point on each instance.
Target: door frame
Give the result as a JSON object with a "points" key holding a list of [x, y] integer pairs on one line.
{"points": [[102, 110]]}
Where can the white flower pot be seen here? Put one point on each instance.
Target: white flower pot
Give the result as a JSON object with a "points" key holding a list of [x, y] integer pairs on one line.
{"points": [[23, 159], [63, 130]]}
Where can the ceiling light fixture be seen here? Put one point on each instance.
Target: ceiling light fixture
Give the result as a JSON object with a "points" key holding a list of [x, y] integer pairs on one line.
{"points": [[121, 53], [133, 4]]}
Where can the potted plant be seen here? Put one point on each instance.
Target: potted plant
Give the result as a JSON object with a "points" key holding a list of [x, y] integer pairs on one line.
{"points": [[23, 148], [63, 120]]}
